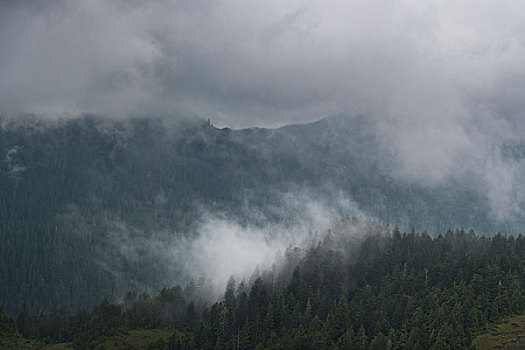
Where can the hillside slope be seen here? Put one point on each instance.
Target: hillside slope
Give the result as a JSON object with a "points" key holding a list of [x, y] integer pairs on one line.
{"points": [[79, 197]]}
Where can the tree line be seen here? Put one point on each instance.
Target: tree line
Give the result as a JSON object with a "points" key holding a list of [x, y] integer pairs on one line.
{"points": [[387, 291]]}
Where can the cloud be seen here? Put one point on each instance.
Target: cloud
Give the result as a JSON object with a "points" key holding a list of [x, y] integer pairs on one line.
{"points": [[76, 57], [220, 245], [443, 80], [250, 63], [224, 247]]}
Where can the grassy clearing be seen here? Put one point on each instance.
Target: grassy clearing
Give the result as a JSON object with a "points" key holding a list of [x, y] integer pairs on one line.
{"points": [[135, 339], [132, 340], [15, 342], [507, 335]]}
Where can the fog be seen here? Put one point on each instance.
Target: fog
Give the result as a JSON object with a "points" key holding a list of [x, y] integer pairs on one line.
{"points": [[437, 64], [444, 81], [224, 245]]}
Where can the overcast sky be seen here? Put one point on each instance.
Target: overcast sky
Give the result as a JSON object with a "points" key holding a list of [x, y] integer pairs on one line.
{"points": [[267, 63], [444, 79]]}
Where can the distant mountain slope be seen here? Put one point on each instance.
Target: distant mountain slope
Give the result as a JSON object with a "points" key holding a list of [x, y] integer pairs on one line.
{"points": [[73, 193]]}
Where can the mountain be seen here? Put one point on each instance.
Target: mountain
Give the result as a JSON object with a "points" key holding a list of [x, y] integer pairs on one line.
{"points": [[81, 199]]}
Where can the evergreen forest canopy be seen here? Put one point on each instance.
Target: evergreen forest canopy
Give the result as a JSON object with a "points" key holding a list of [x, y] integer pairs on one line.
{"points": [[78, 196], [382, 290]]}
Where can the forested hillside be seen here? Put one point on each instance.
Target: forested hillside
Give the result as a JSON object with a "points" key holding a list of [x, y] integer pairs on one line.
{"points": [[384, 290], [77, 195]]}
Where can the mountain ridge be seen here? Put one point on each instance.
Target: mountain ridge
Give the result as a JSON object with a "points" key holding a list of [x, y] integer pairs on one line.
{"points": [[75, 191]]}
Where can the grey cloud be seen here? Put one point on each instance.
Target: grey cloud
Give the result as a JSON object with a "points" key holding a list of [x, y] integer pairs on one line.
{"points": [[235, 60], [444, 80]]}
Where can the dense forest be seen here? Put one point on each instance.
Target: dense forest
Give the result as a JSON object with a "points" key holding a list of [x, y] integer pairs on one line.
{"points": [[381, 290], [262, 175], [78, 197]]}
